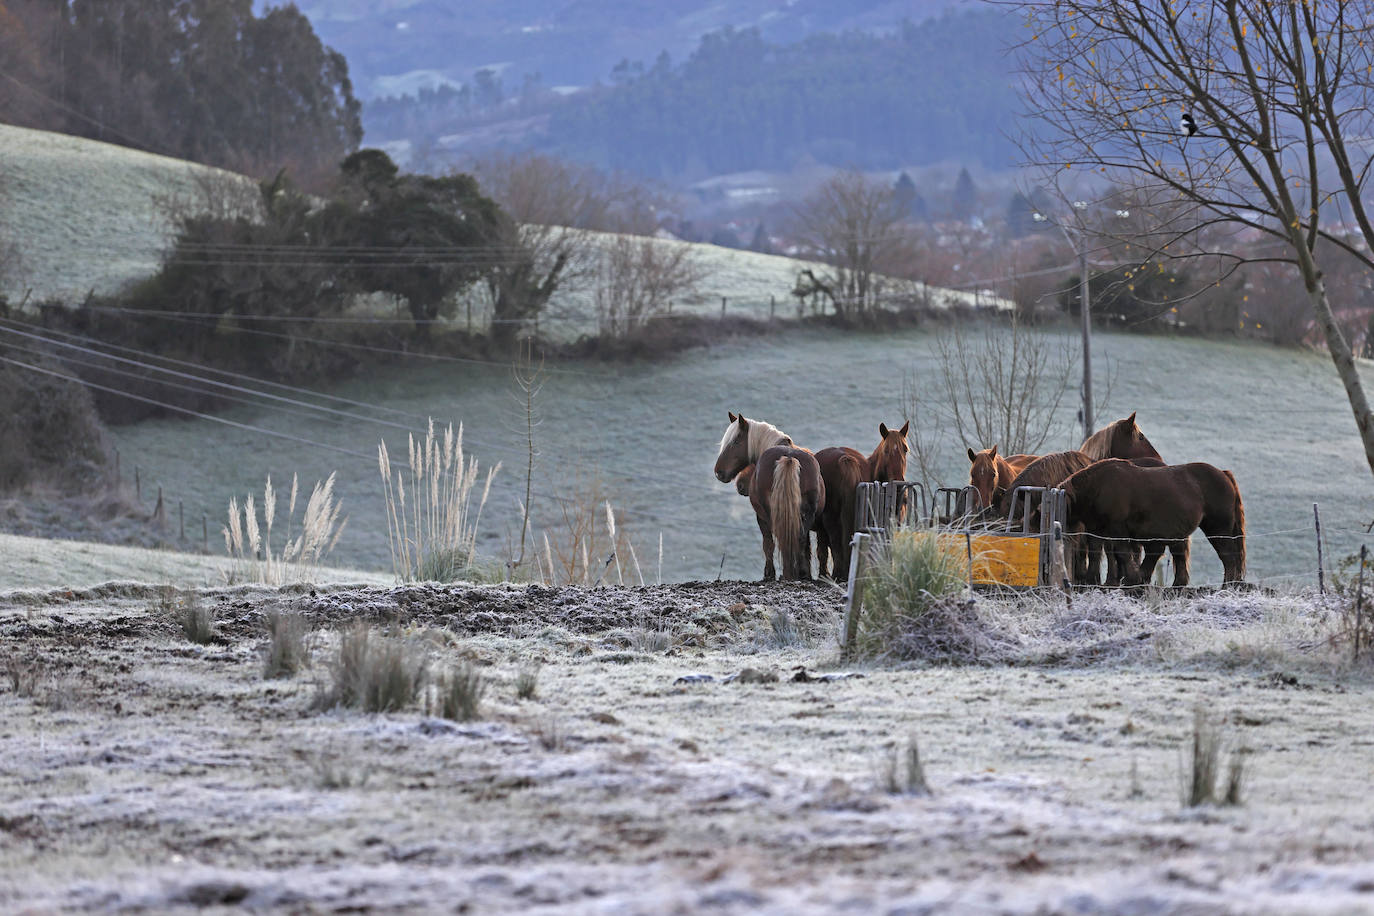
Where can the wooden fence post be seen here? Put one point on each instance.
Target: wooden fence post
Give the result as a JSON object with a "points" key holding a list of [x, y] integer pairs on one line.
{"points": [[853, 604], [1359, 602], [722, 306], [1321, 573], [138, 485]]}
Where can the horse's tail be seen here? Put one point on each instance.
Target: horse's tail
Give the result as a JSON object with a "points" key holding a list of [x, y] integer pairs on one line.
{"points": [[1237, 528], [784, 512], [852, 472]]}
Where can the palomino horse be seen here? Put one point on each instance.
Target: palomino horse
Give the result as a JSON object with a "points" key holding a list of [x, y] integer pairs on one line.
{"points": [[843, 469], [991, 472], [786, 490], [1160, 507]]}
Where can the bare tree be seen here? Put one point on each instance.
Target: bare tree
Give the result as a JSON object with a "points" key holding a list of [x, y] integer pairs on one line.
{"points": [[553, 205], [1275, 142], [637, 280], [852, 224]]}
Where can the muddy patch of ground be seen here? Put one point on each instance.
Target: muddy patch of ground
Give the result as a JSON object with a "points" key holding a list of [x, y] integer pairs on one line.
{"points": [[143, 772]]}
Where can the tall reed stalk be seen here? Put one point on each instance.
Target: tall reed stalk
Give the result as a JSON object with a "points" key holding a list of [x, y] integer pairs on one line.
{"points": [[431, 523], [250, 543]]}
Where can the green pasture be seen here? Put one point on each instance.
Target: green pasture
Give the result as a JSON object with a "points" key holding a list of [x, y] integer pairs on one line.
{"points": [[645, 435]]}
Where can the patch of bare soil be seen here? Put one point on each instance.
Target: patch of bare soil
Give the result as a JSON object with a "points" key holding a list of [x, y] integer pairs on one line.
{"points": [[142, 772]]}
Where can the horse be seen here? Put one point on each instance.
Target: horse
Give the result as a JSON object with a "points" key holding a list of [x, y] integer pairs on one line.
{"points": [[1050, 471], [990, 472], [843, 469], [785, 489], [1160, 507], [1121, 439]]}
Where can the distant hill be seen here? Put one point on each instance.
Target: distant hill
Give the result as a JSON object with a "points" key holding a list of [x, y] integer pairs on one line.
{"points": [[397, 46], [939, 90]]}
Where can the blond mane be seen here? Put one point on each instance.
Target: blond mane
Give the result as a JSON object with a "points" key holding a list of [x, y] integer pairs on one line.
{"points": [[762, 436]]}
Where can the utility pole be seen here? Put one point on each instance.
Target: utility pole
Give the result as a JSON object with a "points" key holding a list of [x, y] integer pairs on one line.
{"points": [[1085, 305]]}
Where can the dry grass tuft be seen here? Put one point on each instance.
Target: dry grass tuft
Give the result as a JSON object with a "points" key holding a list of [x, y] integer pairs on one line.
{"points": [[1203, 766], [23, 676], [901, 772], [286, 650], [432, 528], [459, 693], [250, 543], [527, 684], [373, 673], [914, 605], [196, 621]]}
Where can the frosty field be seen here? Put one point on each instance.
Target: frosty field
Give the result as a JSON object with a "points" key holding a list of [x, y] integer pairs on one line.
{"points": [[145, 773], [644, 436]]}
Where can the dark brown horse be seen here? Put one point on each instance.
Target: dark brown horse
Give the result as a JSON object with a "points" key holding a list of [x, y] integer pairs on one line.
{"points": [[990, 472], [785, 489], [843, 469], [1160, 507], [1122, 439]]}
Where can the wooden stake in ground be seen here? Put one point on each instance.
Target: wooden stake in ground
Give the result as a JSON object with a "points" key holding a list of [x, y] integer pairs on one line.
{"points": [[1321, 573]]}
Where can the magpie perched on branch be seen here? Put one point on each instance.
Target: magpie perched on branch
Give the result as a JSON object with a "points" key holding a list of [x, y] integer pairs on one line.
{"points": [[1187, 125]]}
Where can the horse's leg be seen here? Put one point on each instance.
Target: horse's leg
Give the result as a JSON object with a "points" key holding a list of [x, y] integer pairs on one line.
{"points": [[1180, 551], [1153, 551], [770, 572], [1093, 559], [825, 549], [1225, 546]]}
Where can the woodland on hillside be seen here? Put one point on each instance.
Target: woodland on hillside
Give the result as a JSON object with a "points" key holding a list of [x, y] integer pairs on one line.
{"points": [[926, 92], [204, 80]]}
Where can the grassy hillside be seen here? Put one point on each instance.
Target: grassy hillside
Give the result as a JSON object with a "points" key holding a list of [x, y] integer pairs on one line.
{"points": [[89, 216], [40, 563], [645, 437], [85, 215]]}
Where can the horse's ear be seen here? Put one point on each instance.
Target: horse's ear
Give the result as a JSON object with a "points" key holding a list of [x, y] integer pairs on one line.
{"points": [[882, 430], [972, 456], [732, 416], [1131, 418], [994, 451], [905, 427]]}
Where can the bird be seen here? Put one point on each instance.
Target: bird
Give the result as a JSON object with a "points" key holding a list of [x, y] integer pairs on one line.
{"points": [[1187, 125]]}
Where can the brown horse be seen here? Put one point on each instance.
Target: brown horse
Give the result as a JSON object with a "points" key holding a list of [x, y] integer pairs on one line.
{"points": [[843, 469], [991, 472], [785, 489], [1160, 507], [1122, 439]]}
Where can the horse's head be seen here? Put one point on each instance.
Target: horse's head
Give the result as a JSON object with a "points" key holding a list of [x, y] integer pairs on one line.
{"points": [[889, 458], [742, 481], [734, 449], [1129, 442], [982, 474]]}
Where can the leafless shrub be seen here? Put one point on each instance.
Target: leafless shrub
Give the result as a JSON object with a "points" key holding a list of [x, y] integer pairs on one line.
{"points": [[286, 650], [373, 673], [901, 772], [637, 279], [785, 632], [459, 693]]}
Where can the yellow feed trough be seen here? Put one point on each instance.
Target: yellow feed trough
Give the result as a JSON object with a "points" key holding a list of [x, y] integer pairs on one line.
{"points": [[998, 559]]}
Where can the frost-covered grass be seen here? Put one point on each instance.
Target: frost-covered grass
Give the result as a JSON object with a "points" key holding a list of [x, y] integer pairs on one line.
{"points": [[43, 563], [87, 216], [649, 433], [90, 216]]}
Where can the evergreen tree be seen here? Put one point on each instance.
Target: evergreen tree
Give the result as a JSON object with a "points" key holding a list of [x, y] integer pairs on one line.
{"points": [[964, 201]]}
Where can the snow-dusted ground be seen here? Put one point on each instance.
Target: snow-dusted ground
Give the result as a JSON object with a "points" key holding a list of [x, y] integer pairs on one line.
{"points": [[142, 772]]}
